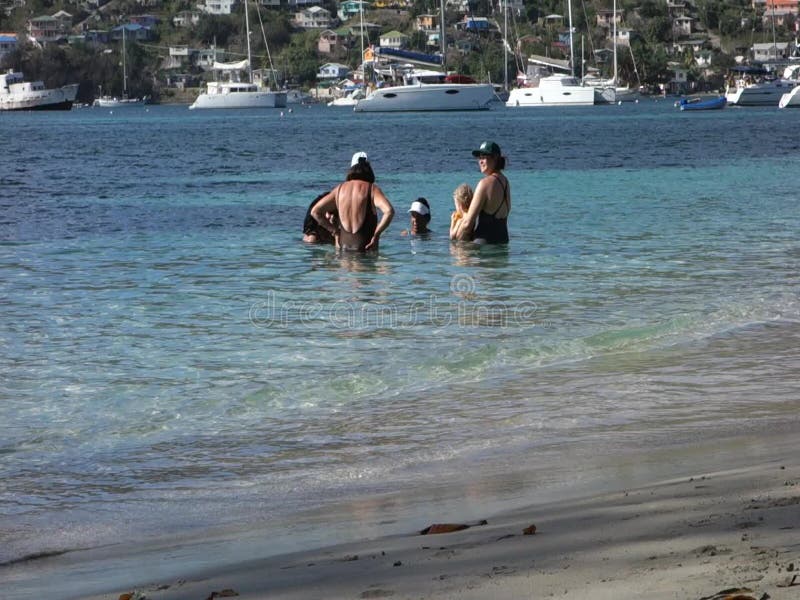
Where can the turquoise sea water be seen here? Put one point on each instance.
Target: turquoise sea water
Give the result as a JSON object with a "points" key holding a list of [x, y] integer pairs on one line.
{"points": [[175, 365]]}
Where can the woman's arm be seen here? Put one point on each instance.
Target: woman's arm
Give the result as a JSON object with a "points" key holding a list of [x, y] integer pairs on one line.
{"points": [[387, 214], [326, 205]]}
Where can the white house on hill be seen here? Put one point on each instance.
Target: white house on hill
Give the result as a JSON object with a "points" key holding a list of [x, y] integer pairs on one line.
{"points": [[332, 71], [218, 7], [314, 17]]}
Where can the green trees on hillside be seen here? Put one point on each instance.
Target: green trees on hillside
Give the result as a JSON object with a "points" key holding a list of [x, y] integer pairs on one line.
{"points": [[216, 29], [298, 60], [728, 15]]}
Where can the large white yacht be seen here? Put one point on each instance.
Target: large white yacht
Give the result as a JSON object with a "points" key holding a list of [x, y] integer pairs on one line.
{"points": [[753, 86], [429, 91], [18, 94]]}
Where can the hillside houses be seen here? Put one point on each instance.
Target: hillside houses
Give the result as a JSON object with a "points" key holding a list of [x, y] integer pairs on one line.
{"points": [[314, 17], [186, 18], [8, 43], [334, 43], [133, 31], [606, 18], [769, 52], [781, 10], [352, 8], [217, 7], [333, 72], [171, 32], [48, 29], [394, 39]]}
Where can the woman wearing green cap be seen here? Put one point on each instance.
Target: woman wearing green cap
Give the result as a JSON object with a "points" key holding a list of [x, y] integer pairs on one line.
{"points": [[486, 220]]}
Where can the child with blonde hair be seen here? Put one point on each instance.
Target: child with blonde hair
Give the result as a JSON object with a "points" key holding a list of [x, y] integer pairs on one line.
{"points": [[462, 196]]}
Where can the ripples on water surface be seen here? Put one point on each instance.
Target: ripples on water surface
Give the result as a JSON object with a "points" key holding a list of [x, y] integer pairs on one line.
{"points": [[165, 338]]}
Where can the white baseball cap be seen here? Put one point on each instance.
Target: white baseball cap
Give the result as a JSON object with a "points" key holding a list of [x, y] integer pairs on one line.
{"points": [[420, 208], [357, 157]]}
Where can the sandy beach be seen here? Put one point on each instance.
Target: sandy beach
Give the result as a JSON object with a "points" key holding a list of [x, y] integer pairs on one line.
{"points": [[689, 538]]}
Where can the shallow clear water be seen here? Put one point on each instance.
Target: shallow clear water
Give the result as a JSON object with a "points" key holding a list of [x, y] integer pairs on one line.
{"points": [[174, 361]]}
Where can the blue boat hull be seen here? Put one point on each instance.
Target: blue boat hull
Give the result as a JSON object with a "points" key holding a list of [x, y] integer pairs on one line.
{"points": [[697, 104]]}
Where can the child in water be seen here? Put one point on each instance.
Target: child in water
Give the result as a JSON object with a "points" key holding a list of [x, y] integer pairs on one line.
{"points": [[462, 196]]}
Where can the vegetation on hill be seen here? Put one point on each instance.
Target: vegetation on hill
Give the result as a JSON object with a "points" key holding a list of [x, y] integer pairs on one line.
{"points": [[729, 24]]}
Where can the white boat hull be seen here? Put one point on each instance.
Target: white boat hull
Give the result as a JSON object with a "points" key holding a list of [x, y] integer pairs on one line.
{"points": [[555, 90], [759, 94], [343, 102], [428, 97], [40, 99], [350, 100], [790, 99], [258, 99], [106, 102]]}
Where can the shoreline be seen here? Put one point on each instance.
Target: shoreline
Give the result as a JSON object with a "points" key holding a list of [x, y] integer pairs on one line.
{"points": [[685, 539], [688, 537]]}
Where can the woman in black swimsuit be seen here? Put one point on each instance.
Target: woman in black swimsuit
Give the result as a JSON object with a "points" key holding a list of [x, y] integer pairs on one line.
{"points": [[355, 202], [313, 232], [486, 221]]}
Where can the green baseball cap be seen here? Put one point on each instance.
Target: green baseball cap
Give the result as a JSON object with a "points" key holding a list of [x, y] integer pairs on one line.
{"points": [[487, 149]]}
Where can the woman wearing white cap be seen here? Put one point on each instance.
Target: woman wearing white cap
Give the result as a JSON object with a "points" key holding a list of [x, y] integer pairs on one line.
{"points": [[486, 220], [420, 215], [355, 201]]}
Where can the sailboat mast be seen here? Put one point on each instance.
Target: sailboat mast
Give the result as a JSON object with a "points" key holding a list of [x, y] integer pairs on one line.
{"points": [[442, 40], [615, 41], [571, 53], [247, 35], [774, 43], [505, 44], [124, 68], [361, 20]]}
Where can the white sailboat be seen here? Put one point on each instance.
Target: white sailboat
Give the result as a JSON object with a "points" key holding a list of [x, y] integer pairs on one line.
{"points": [[232, 92], [609, 91], [563, 89], [114, 101], [430, 91]]}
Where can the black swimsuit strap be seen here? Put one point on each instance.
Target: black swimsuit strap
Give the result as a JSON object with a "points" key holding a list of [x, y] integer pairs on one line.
{"points": [[505, 195]]}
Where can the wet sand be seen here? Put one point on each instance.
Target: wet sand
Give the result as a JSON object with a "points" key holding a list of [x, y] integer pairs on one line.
{"points": [[687, 538]]}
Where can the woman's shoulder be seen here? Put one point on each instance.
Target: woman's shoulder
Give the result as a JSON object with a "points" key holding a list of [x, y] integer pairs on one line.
{"points": [[500, 180]]}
